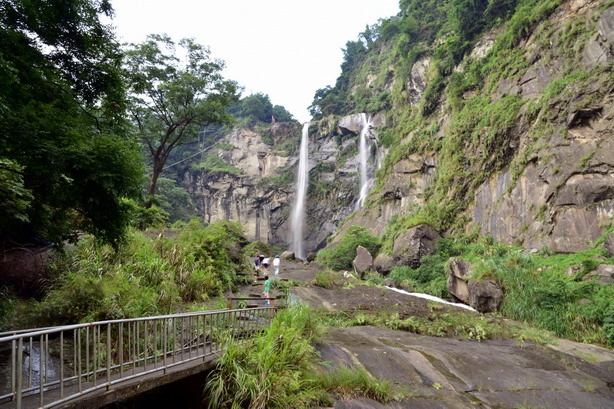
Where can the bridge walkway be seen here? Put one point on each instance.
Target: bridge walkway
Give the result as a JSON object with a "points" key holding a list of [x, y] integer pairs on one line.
{"points": [[93, 364]]}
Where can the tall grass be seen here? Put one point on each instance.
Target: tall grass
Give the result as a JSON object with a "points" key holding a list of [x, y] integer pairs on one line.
{"points": [[145, 276], [279, 369]]}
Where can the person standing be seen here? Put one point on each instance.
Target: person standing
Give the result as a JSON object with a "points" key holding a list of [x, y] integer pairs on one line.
{"points": [[267, 290], [265, 263], [256, 268], [276, 263]]}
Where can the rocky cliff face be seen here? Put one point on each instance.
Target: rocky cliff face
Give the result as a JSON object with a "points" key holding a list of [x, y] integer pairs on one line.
{"points": [[564, 197], [256, 192], [553, 184], [527, 157], [259, 188]]}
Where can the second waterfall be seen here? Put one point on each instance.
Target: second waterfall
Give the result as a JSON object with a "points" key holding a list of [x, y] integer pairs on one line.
{"points": [[302, 181]]}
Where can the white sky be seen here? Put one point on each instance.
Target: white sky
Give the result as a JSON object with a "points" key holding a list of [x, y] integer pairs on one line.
{"points": [[284, 48]]}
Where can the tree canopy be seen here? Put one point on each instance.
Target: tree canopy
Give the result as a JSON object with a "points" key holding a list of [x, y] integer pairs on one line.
{"points": [[173, 97], [258, 108], [65, 157]]}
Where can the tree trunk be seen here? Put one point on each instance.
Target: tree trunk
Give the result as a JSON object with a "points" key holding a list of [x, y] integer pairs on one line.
{"points": [[158, 166]]}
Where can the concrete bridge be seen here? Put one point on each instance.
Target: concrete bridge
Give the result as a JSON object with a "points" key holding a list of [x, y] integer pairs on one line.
{"points": [[93, 364]]}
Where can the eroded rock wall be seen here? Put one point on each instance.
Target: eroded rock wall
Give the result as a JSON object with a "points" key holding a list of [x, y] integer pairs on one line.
{"points": [[555, 189]]}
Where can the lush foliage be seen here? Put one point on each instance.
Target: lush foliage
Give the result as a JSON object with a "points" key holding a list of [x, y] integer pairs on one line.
{"points": [[174, 200], [146, 276], [538, 290], [213, 164], [66, 158], [443, 323], [339, 256], [258, 108], [174, 95], [278, 369]]}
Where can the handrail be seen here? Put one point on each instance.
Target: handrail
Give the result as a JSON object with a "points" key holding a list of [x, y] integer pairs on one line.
{"points": [[81, 358]]}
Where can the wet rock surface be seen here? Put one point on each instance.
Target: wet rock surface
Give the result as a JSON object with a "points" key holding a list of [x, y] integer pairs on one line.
{"points": [[450, 373]]}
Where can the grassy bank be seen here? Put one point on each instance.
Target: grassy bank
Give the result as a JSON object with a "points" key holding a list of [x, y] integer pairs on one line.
{"points": [[152, 273], [280, 369]]}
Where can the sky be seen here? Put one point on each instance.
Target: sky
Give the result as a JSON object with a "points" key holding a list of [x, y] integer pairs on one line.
{"points": [[287, 49]]}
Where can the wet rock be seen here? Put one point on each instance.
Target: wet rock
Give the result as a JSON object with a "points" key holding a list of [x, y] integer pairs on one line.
{"points": [[363, 261], [311, 256], [383, 263], [457, 272], [287, 255], [414, 244], [485, 296], [603, 274], [449, 373]]}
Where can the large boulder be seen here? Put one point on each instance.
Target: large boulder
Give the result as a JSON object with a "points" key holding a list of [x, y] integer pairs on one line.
{"points": [[351, 124], [485, 296], [457, 272], [383, 263], [287, 255], [363, 261], [414, 244]]}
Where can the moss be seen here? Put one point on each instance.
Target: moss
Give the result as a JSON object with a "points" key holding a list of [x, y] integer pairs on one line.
{"points": [[212, 163]]}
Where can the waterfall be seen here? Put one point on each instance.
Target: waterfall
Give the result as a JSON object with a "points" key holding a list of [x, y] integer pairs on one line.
{"points": [[366, 182], [298, 215]]}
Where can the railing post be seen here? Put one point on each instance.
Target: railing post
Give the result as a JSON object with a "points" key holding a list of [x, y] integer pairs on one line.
{"points": [[108, 356], [20, 370], [62, 364], [164, 339], [121, 349], [87, 352], [78, 355], [13, 369], [42, 369]]}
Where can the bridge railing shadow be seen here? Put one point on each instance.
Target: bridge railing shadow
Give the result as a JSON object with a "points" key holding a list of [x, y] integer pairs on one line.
{"points": [[60, 364]]}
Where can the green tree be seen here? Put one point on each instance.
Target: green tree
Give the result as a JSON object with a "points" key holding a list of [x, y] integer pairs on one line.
{"points": [[66, 158], [175, 200], [282, 115], [174, 96]]}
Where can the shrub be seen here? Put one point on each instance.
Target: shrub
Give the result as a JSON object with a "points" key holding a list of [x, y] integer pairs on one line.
{"points": [[143, 217], [144, 276], [324, 279], [340, 256]]}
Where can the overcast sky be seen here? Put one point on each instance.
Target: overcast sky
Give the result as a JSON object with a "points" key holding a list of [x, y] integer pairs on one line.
{"points": [[284, 48]]}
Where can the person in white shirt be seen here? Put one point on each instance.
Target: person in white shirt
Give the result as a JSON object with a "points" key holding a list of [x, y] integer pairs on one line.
{"points": [[265, 263], [276, 262]]}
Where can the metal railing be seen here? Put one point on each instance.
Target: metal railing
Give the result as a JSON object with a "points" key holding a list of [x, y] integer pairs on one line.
{"points": [[60, 364]]}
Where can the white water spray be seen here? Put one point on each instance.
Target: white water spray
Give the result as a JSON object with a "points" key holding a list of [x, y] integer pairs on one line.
{"points": [[366, 182], [298, 215]]}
